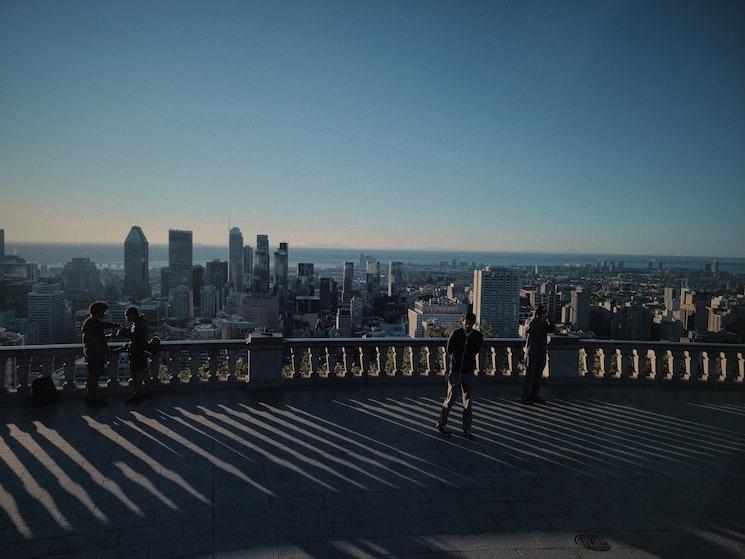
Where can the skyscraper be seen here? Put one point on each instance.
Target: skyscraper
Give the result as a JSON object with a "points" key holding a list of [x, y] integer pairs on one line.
{"points": [[395, 278], [261, 264], [248, 268], [197, 282], [136, 268], [346, 282], [180, 257], [672, 298], [579, 314], [180, 302], [305, 284], [2, 245], [216, 274], [496, 300], [81, 280], [210, 302], [281, 257], [235, 259], [46, 307], [329, 293]]}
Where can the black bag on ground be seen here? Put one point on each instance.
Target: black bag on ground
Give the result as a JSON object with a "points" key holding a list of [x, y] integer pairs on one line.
{"points": [[43, 392]]}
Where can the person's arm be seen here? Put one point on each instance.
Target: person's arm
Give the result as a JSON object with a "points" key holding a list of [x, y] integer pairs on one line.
{"points": [[124, 333], [109, 325], [449, 349], [529, 326], [477, 343], [550, 327]]}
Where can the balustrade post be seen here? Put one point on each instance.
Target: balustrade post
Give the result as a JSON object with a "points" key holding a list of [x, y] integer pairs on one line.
{"points": [[704, 364], [314, 361], [213, 365], [382, 360], [602, 362], [174, 368], [740, 378], [113, 370], [415, 355], [364, 361], [398, 360], [265, 359], [563, 357], [155, 368], [657, 364], [232, 358], [194, 364], [427, 360], [335, 360], [69, 372], [347, 356]]}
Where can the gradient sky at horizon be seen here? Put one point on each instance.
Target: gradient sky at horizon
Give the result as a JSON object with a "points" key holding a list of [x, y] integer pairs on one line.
{"points": [[590, 126]]}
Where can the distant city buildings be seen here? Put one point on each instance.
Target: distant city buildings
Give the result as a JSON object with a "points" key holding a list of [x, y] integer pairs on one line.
{"points": [[442, 314], [347, 279], [81, 280], [235, 259], [281, 264], [47, 309], [248, 268], [261, 265], [395, 278], [136, 265], [180, 302], [179, 258]]}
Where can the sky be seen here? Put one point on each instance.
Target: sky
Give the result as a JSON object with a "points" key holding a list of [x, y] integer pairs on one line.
{"points": [[593, 126]]}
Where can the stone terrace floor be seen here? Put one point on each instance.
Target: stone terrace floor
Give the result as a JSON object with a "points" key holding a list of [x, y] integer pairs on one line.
{"points": [[360, 472]]}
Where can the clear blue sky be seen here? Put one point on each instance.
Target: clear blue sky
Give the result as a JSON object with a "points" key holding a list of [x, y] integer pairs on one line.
{"points": [[591, 126]]}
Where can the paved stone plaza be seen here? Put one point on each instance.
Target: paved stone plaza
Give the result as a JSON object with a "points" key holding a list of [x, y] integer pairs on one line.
{"points": [[360, 472]]}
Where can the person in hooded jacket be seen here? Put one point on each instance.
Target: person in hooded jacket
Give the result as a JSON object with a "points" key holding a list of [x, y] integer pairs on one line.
{"points": [[137, 349], [95, 349]]}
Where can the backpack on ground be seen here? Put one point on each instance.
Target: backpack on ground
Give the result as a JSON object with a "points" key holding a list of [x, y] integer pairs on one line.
{"points": [[153, 346], [43, 392]]}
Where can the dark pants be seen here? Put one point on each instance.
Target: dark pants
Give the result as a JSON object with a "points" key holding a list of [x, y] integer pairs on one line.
{"points": [[533, 375], [96, 365], [466, 388]]}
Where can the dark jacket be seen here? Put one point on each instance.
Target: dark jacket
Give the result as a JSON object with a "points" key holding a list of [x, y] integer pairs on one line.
{"points": [[94, 336], [537, 331], [462, 350], [137, 336]]}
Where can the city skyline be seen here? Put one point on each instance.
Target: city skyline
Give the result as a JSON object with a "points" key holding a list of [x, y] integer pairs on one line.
{"points": [[610, 128]]}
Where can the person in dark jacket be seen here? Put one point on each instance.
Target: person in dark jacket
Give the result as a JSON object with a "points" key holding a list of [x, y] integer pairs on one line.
{"points": [[137, 350], [537, 331], [95, 349], [462, 347]]}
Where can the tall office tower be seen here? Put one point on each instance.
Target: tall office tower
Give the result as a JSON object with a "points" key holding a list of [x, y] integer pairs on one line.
{"points": [[328, 291], [165, 281], [672, 299], [549, 296], [715, 267], [2, 245], [180, 257], [262, 310], [210, 299], [81, 280], [216, 273], [32, 272], [305, 284], [180, 302], [579, 313], [496, 300], [372, 267], [197, 282], [248, 268], [136, 264], [395, 278], [281, 257], [46, 307], [346, 282], [235, 259], [261, 264], [363, 259]]}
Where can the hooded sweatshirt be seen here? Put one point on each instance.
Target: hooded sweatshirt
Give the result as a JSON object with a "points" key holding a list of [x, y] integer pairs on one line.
{"points": [[94, 336]]}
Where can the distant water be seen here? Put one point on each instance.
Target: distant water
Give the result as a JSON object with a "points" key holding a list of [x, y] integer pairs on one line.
{"points": [[112, 256]]}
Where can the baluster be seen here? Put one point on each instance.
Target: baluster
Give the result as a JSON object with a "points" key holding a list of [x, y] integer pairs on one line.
{"points": [[442, 361], [740, 378], [704, 364], [398, 360], [232, 359], [155, 368], [691, 365], [512, 362], [295, 362], [347, 361], [657, 364], [723, 366], [174, 367], [631, 364], [582, 362], [382, 360], [427, 357], [415, 356], [364, 361], [314, 361], [194, 364], [335, 355], [213, 365], [70, 372], [113, 370]]}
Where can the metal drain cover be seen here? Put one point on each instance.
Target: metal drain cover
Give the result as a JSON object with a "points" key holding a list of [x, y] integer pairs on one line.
{"points": [[595, 543]]}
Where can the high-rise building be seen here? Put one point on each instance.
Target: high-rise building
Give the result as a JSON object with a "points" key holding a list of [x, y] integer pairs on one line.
{"points": [[197, 282], [672, 298], [210, 302], [579, 313], [248, 268], [444, 315], [395, 278], [14, 296], [281, 257], [180, 257], [549, 296], [496, 300], [165, 281], [2, 244], [46, 307], [180, 302], [305, 283], [216, 273], [235, 259], [261, 264], [346, 282], [136, 264], [32, 272], [328, 291], [715, 267], [262, 310], [81, 280]]}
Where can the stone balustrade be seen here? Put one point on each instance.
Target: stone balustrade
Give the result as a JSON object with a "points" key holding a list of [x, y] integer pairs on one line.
{"points": [[270, 360]]}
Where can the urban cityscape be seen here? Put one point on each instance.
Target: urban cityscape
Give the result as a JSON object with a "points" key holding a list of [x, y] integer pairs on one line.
{"points": [[254, 289]]}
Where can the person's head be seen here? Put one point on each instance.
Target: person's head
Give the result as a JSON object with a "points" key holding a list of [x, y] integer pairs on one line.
{"points": [[131, 314], [98, 309], [540, 310], [468, 320]]}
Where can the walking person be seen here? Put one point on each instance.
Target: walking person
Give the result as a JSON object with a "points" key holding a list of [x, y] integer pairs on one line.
{"points": [[137, 350], [95, 349], [537, 331], [462, 347]]}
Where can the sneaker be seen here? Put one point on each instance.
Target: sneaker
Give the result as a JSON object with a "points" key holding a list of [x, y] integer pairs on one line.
{"points": [[468, 435], [97, 403], [133, 400], [148, 395], [538, 400], [526, 402], [443, 430]]}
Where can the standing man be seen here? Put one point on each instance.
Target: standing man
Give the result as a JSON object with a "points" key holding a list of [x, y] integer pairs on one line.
{"points": [[137, 350], [463, 345], [538, 329], [95, 349]]}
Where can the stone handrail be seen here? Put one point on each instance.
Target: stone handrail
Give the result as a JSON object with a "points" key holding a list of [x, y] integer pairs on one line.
{"points": [[266, 360]]}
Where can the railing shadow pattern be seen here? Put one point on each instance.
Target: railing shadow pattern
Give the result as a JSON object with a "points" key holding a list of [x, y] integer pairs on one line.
{"points": [[363, 473]]}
